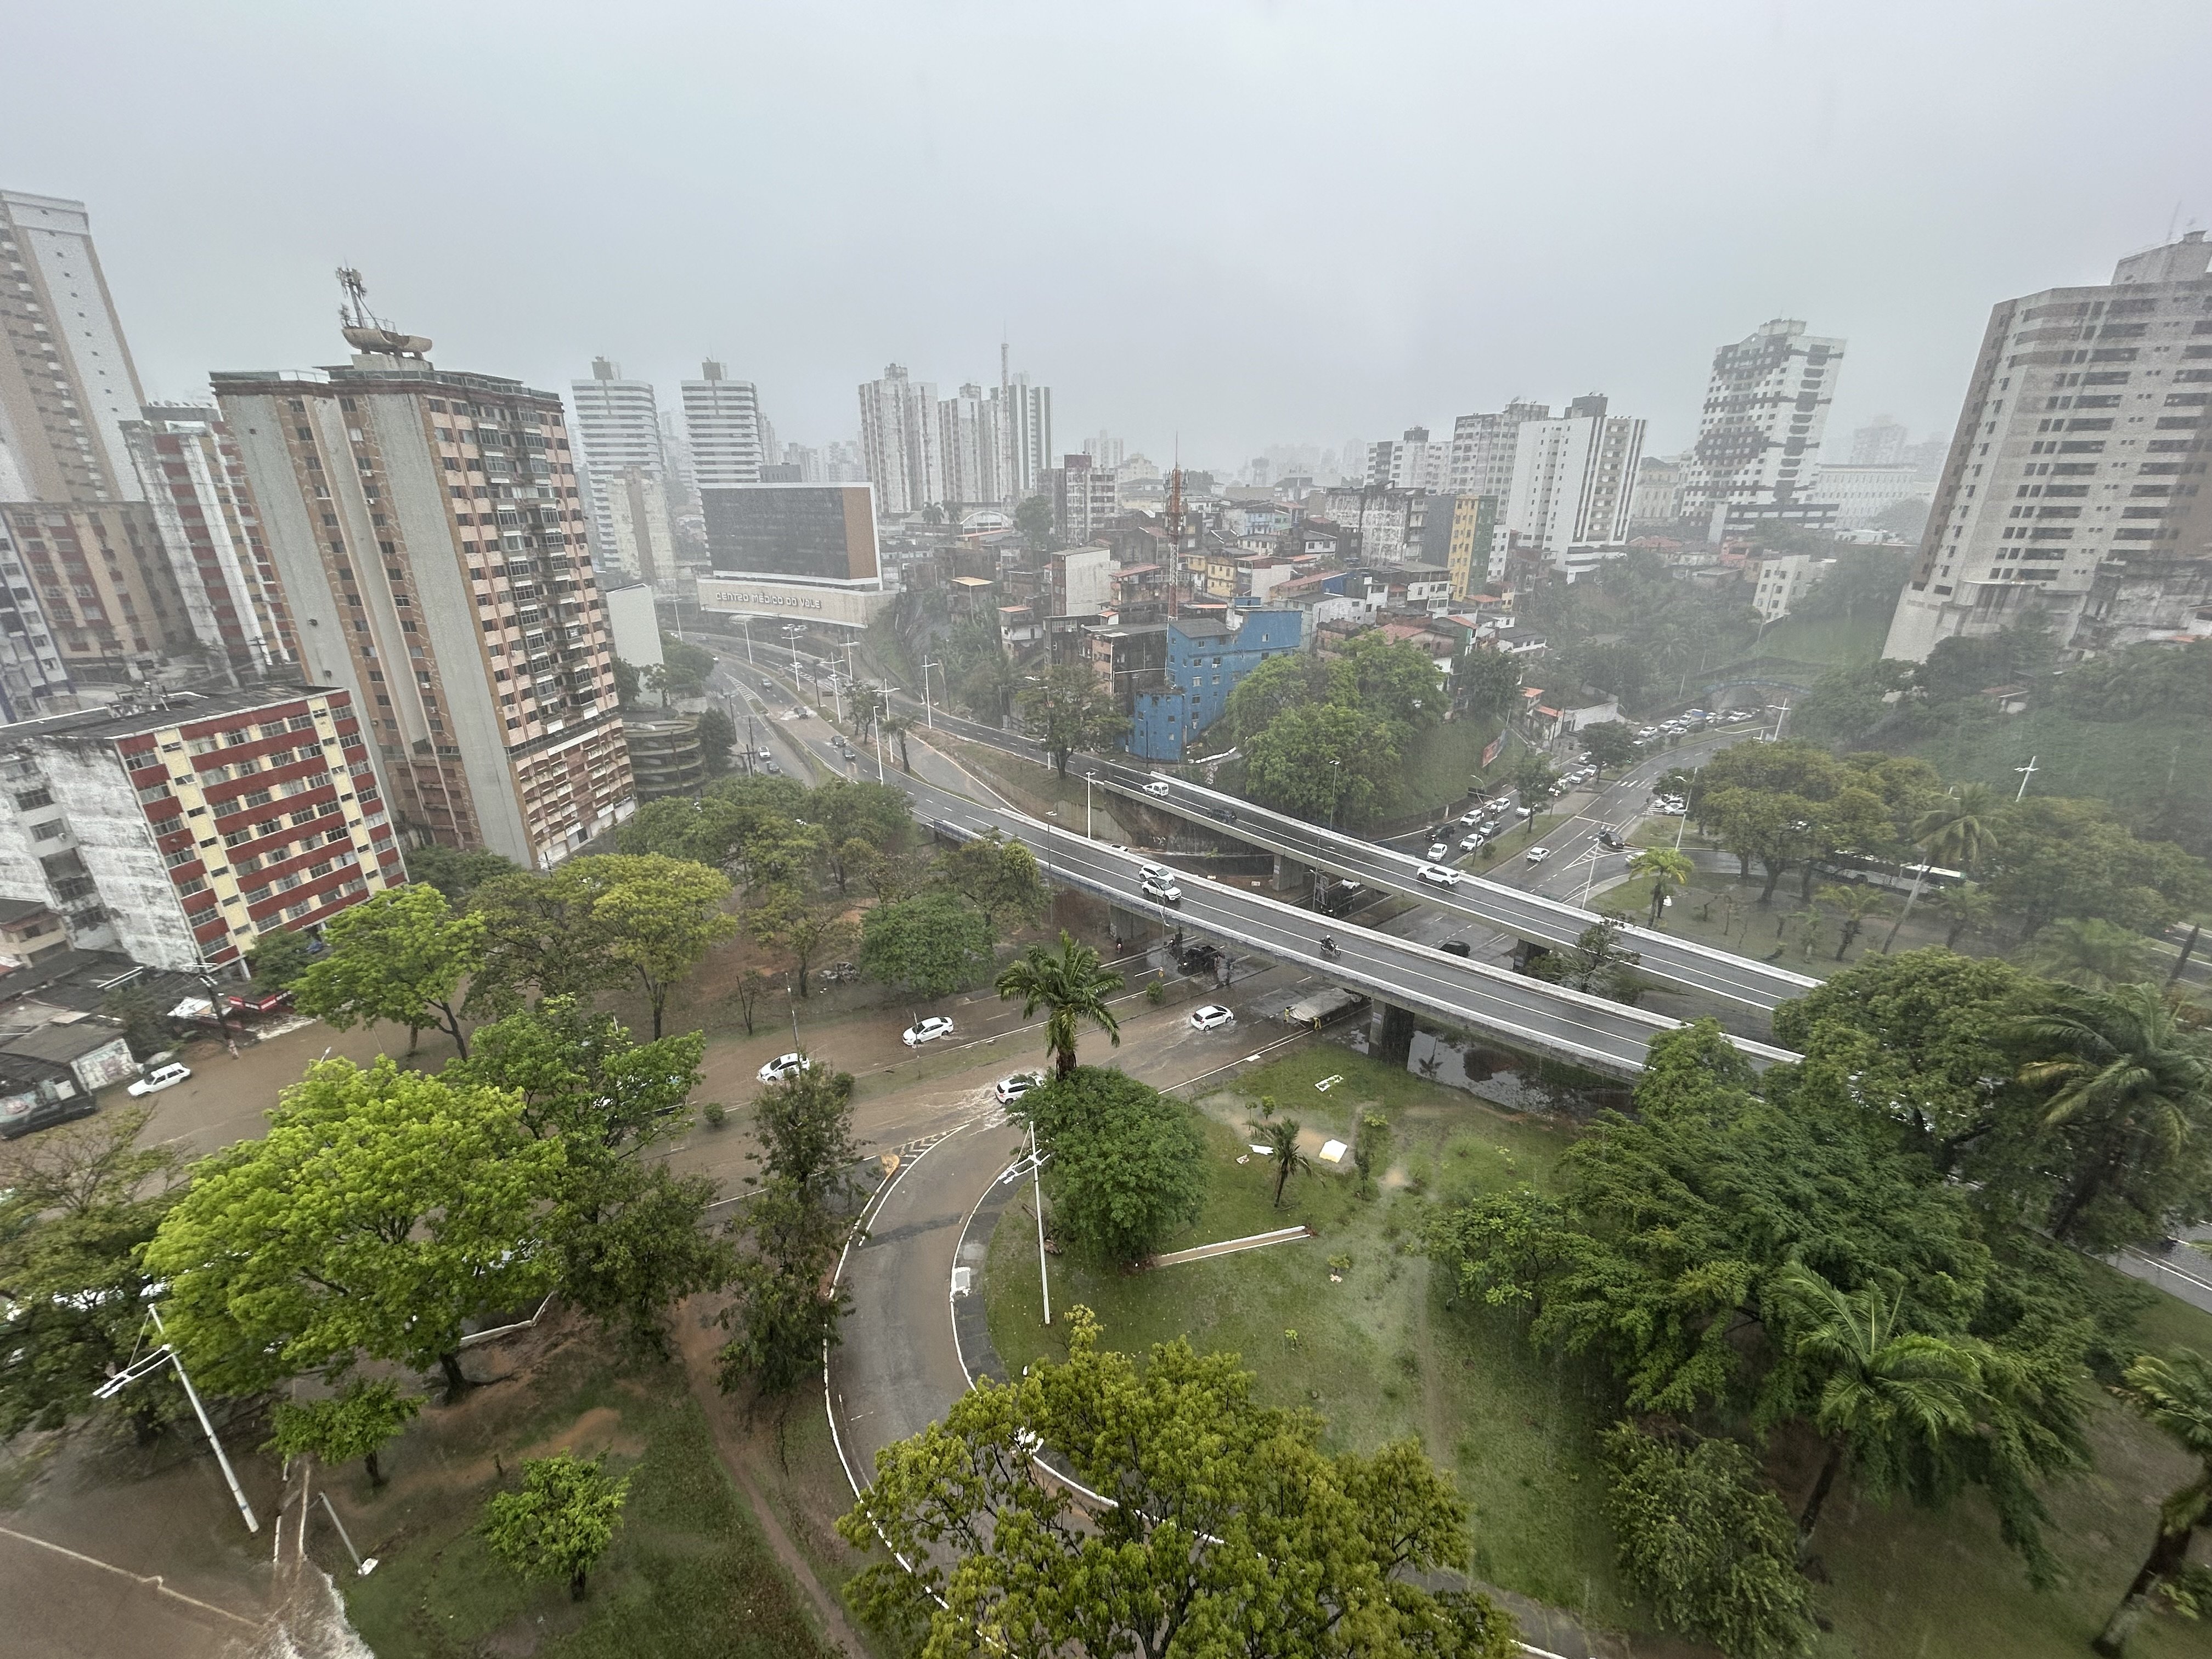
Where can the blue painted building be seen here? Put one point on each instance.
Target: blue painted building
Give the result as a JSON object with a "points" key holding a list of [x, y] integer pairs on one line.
{"points": [[1205, 661]]}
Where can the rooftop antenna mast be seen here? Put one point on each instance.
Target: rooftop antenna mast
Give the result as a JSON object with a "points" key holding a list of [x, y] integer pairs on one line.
{"points": [[364, 330], [1175, 532]]}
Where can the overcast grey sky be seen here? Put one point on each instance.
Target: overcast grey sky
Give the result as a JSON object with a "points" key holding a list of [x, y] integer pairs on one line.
{"points": [[1245, 223]]}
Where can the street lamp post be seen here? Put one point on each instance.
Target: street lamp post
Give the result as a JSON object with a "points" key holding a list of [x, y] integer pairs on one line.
{"points": [[1089, 778], [929, 715]]}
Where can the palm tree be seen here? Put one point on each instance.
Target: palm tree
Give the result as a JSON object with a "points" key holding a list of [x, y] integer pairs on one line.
{"points": [[1071, 983], [1280, 1137], [896, 726], [2176, 1394], [1955, 832], [2089, 952], [1966, 909], [1855, 903], [2120, 1064], [1670, 870], [1886, 1395]]}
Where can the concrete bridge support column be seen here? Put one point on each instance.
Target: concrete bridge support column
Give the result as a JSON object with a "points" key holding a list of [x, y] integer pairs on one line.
{"points": [[1292, 877], [1128, 925], [1393, 1038]]}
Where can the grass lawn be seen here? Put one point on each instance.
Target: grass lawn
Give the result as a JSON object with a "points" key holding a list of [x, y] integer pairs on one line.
{"points": [[1380, 1355], [1439, 761], [1386, 1352], [1839, 641], [689, 1574]]}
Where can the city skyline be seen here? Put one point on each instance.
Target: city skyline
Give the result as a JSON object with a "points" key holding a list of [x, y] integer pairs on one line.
{"points": [[806, 278]]}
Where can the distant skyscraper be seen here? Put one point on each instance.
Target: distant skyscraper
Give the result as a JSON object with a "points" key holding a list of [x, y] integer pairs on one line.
{"points": [[618, 425], [66, 382], [1574, 481], [1880, 442], [1758, 436], [723, 417], [1408, 462], [429, 538], [676, 455], [972, 451], [1025, 432], [902, 443], [1105, 449], [1084, 497], [2066, 490], [202, 506]]}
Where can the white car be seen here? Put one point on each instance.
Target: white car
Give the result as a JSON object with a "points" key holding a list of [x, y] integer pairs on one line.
{"points": [[1157, 786], [1440, 875], [784, 1067], [1468, 820], [1520, 812], [1211, 1018], [1538, 854], [1160, 891], [161, 1077], [1011, 1089], [1472, 843], [928, 1031], [1438, 850], [1156, 873]]}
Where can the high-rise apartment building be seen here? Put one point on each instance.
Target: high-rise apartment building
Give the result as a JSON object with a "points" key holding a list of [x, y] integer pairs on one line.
{"points": [[203, 512], [427, 531], [1084, 498], [1880, 442], [972, 448], [32, 677], [1025, 430], [66, 381], [178, 829], [723, 417], [2069, 486], [1408, 462], [1758, 452], [102, 578], [1483, 448], [618, 428], [1574, 481], [901, 439], [1473, 532]]}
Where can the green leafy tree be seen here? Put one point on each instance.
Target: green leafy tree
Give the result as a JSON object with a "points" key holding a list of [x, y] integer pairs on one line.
{"points": [[1289, 681], [689, 666], [1033, 518], [999, 878], [398, 955], [1706, 1540], [1490, 679], [708, 831], [1394, 681], [1670, 872], [629, 686], [147, 1027], [627, 1231], [790, 919], [1205, 1550], [933, 943], [382, 1211], [658, 917], [1966, 908], [1128, 1164], [454, 872], [1279, 1135], [2175, 1394], [1071, 708], [2069, 857], [560, 1523], [77, 1205], [1854, 905], [878, 815], [786, 1307], [1598, 962], [717, 736], [1070, 983], [2089, 953], [1324, 762], [2130, 1088], [1533, 780], [353, 1423], [1611, 744], [279, 956]]}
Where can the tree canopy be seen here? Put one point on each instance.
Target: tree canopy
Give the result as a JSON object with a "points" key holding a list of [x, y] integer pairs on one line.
{"points": [[1128, 1164], [933, 943], [399, 956], [1232, 1532], [1069, 710], [1071, 983], [381, 1212]]}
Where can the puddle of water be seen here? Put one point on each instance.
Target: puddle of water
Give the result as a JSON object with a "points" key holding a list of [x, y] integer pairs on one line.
{"points": [[310, 1625]]}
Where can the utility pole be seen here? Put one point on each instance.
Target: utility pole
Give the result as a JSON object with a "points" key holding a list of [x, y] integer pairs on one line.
{"points": [[929, 715]]}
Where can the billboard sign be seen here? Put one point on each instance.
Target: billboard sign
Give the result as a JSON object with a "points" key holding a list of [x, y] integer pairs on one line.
{"points": [[840, 607], [801, 533], [1490, 750]]}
